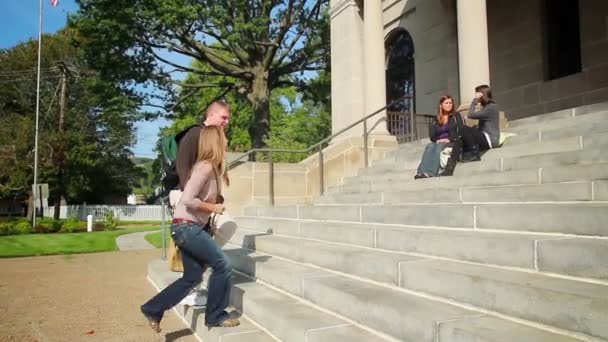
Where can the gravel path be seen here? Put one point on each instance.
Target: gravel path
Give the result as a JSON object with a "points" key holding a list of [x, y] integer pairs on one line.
{"points": [[85, 297], [134, 241]]}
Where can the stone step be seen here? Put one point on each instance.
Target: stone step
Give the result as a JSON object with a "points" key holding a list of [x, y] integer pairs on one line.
{"points": [[563, 303], [575, 143], [566, 218], [402, 315], [161, 277], [587, 156], [531, 135], [411, 158], [285, 317], [571, 113], [556, 174], [573, 256], [550, 192], [567, 119], [548, 134], [496, 289], [492, 329]]}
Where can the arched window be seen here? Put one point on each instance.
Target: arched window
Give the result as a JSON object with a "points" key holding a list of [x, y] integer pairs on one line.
{"points": [[400, 76]]}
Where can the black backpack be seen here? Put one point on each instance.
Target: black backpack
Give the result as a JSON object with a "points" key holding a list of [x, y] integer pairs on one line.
{"points": [[169, 147]]}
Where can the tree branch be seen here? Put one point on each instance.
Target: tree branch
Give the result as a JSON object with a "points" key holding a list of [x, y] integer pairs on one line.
{"points": [[203, 85], [216, 61], [241, 55], [313, 13], [286, 23]]}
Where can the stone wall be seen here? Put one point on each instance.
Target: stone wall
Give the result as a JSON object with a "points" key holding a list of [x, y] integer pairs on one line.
{"points": [[517, 59], [299, 183], [432, 25]]}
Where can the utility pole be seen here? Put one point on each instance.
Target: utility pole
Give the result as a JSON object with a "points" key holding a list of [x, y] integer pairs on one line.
{"points": [[60, 155], [35, 186]]}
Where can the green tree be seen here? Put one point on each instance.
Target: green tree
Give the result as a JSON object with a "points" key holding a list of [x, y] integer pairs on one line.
{"points": [[299, 119], [251, 47], [98, 124]]}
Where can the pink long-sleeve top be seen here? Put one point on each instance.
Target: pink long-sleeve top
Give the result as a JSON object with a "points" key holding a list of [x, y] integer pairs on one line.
{"points": [[201, 187]]}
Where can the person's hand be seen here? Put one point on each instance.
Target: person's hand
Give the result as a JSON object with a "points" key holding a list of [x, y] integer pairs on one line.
{"points": [[219, 208], [443, 141]]}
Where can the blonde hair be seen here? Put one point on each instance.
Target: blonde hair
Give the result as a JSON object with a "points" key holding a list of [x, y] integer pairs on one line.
{"points": [[212, 149]]}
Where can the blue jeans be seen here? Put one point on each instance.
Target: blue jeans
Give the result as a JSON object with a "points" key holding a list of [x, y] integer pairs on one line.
{"points": [[431, 159], [197, 249]]}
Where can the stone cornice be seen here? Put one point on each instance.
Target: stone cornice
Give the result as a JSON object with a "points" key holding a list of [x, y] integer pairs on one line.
{"points": [[341, 5]]}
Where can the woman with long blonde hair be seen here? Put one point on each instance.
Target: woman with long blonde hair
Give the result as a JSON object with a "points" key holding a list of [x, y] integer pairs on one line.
{"points": [[191, 232]]}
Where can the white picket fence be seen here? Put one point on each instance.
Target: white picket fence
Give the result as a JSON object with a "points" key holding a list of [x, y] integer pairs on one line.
{"points": [[121, 212]]}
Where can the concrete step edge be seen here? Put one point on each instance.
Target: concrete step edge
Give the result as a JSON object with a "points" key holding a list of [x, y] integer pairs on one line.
{"points": [[434, 227], [308, 303], [200, 331], [436, 257], [438, 299]]}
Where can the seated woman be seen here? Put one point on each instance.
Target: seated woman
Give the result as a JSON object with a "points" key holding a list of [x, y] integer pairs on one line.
{"points": [[487, 134], [443, 132]]}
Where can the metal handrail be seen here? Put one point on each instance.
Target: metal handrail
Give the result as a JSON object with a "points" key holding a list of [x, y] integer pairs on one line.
{"points": [[319, 145]]}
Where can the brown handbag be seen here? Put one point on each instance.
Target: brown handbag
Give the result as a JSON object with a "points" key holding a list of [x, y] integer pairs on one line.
{"points": [[175, 258]]}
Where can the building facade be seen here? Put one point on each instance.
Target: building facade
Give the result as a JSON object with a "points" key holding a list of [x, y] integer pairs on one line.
{"points": [[538, 56]]}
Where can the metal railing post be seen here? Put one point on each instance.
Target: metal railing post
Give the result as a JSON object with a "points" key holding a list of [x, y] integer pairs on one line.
{"points": [[163, 228], [365, 153], [270, 179], [412, 126], [321, 171]]}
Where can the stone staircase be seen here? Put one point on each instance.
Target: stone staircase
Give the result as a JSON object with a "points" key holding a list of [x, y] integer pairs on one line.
{"points": [[512, 248]]}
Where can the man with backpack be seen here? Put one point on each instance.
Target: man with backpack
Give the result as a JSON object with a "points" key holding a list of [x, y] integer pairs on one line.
{"points": [[218, 114]]}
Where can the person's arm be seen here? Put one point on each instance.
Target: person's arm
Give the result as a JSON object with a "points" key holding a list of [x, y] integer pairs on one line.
{"points": [[201, 174], [433, 131], [187, 154], [483, 113]]}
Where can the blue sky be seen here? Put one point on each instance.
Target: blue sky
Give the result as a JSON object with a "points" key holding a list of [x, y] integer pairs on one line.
{"points": [[20, 23]]}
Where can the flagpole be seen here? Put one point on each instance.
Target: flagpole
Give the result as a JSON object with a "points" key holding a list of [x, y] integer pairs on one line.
{"points": [[35, 187]]}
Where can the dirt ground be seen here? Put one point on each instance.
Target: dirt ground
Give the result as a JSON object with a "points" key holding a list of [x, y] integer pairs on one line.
{"points": [[85, 297]]}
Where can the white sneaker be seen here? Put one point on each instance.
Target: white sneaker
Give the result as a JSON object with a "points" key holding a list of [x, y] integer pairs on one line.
{"points": [[194, 299]]}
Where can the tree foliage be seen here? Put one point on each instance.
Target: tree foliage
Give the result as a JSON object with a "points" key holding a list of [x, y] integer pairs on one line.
{"points": [[98, 124], [245, 47], [299, 119]]}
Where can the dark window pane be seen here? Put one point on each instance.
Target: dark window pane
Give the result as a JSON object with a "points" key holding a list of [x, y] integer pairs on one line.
{"points": [[562, 38]]}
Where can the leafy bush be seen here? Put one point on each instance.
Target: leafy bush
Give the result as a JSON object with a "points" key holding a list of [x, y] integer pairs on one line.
{"points": [[21, 227], [70, 225], [5, 227], [110, 221], [15, 227], [47, 226]]}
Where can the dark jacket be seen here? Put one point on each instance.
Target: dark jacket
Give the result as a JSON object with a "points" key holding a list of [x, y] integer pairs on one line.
{"points": [[489, 120], [455, 123], [187, 153]]}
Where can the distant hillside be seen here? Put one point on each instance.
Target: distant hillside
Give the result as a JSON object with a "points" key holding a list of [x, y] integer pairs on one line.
{"points": [[141, 160]]}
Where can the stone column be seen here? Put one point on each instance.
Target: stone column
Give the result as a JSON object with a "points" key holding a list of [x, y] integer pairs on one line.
{"points": [[346, 66], [375, 72], [473, 55]]}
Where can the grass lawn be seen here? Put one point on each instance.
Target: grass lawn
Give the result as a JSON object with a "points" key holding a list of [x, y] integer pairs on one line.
{"points": [[156, 239], [68, 243]]}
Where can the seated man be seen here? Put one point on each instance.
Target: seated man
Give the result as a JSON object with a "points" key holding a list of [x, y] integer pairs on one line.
{"points": [[487, 134]]}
